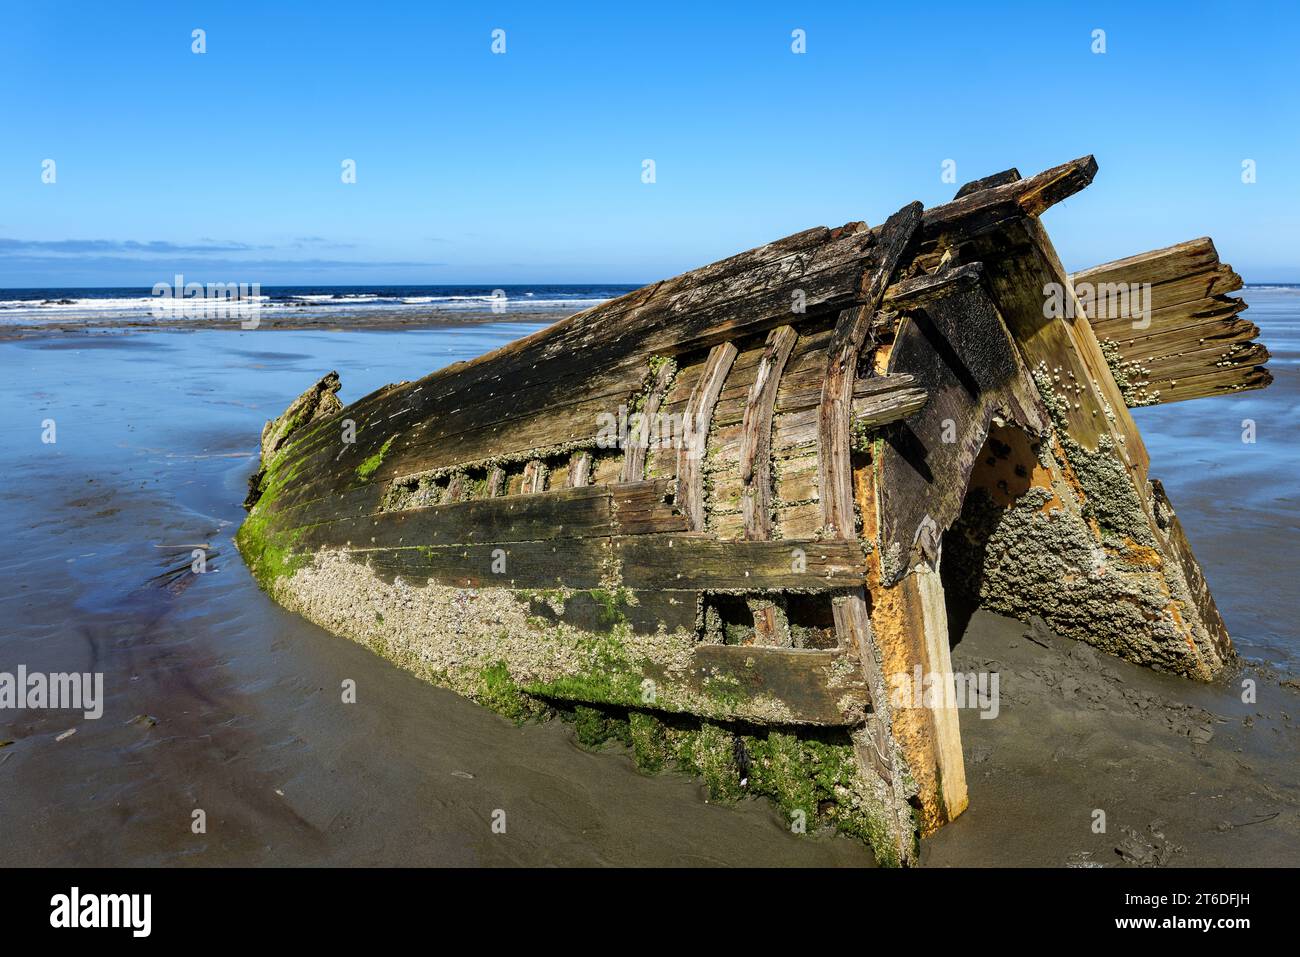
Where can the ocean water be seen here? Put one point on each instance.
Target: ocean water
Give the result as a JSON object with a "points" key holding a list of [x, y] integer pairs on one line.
{"points": [[1239, 501], [33, 306]]}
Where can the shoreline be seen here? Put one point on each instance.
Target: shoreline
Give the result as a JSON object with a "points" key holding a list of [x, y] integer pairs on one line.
{"points": [[379, 321]]}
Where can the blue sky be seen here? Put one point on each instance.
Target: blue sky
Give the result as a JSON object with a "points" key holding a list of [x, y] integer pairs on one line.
{"points": [[526, 167]]}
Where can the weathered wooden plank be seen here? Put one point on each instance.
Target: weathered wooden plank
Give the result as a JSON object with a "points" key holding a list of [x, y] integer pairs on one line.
{"points": [[988, 182], [1172, 318], [866, 386], [1220, 382], [1120, 302], [561, 562], [561, 513], [1203, 361], [696, 562], [978, 212], [1173, 341], [756, 442], [699, 418], [1156, 265], [916, 292], [810, 683], [870, 411], [642, 508]]}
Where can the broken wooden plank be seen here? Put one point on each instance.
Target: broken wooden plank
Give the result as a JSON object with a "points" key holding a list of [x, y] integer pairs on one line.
{"points": [[916, 292], [978, 212], [810, 683], [1156, 265], [835, 475], [988, 182]]}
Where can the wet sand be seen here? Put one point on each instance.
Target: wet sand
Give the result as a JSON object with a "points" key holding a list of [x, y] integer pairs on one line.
{"points": [[219, 700], [1186, 774]]}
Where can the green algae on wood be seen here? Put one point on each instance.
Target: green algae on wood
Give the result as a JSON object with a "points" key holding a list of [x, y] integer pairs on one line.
{"points": [[371, 465]]}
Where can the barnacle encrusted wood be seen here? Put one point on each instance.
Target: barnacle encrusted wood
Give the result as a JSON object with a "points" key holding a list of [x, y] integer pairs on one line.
{"points": [[743, 509]]}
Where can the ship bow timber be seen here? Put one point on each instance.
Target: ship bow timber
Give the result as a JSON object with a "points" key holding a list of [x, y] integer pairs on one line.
{"points": [[737, 517]]}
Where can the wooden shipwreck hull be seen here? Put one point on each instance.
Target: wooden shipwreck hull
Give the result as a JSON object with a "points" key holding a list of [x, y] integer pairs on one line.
{"points": [[731, 516]]}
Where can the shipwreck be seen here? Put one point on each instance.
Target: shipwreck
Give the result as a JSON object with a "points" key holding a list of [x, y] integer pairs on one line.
{"points": [[723, 516]]}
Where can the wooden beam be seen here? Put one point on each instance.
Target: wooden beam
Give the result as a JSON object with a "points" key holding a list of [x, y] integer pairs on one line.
{"points": [[756, 436], [915, 293], [809, 682], [988, 182], [699, 417], [534, 476], [835, 468], [579, 469], [835, 409], [978, 212], [637, 440]]}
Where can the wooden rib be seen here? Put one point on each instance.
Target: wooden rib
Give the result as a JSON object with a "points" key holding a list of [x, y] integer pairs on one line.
{"points": [[698, 418], [534, 476], [579, 469], [638, 439], [756, 436], [834, 463], [496, 481], [455, 486], [835, 409]]}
